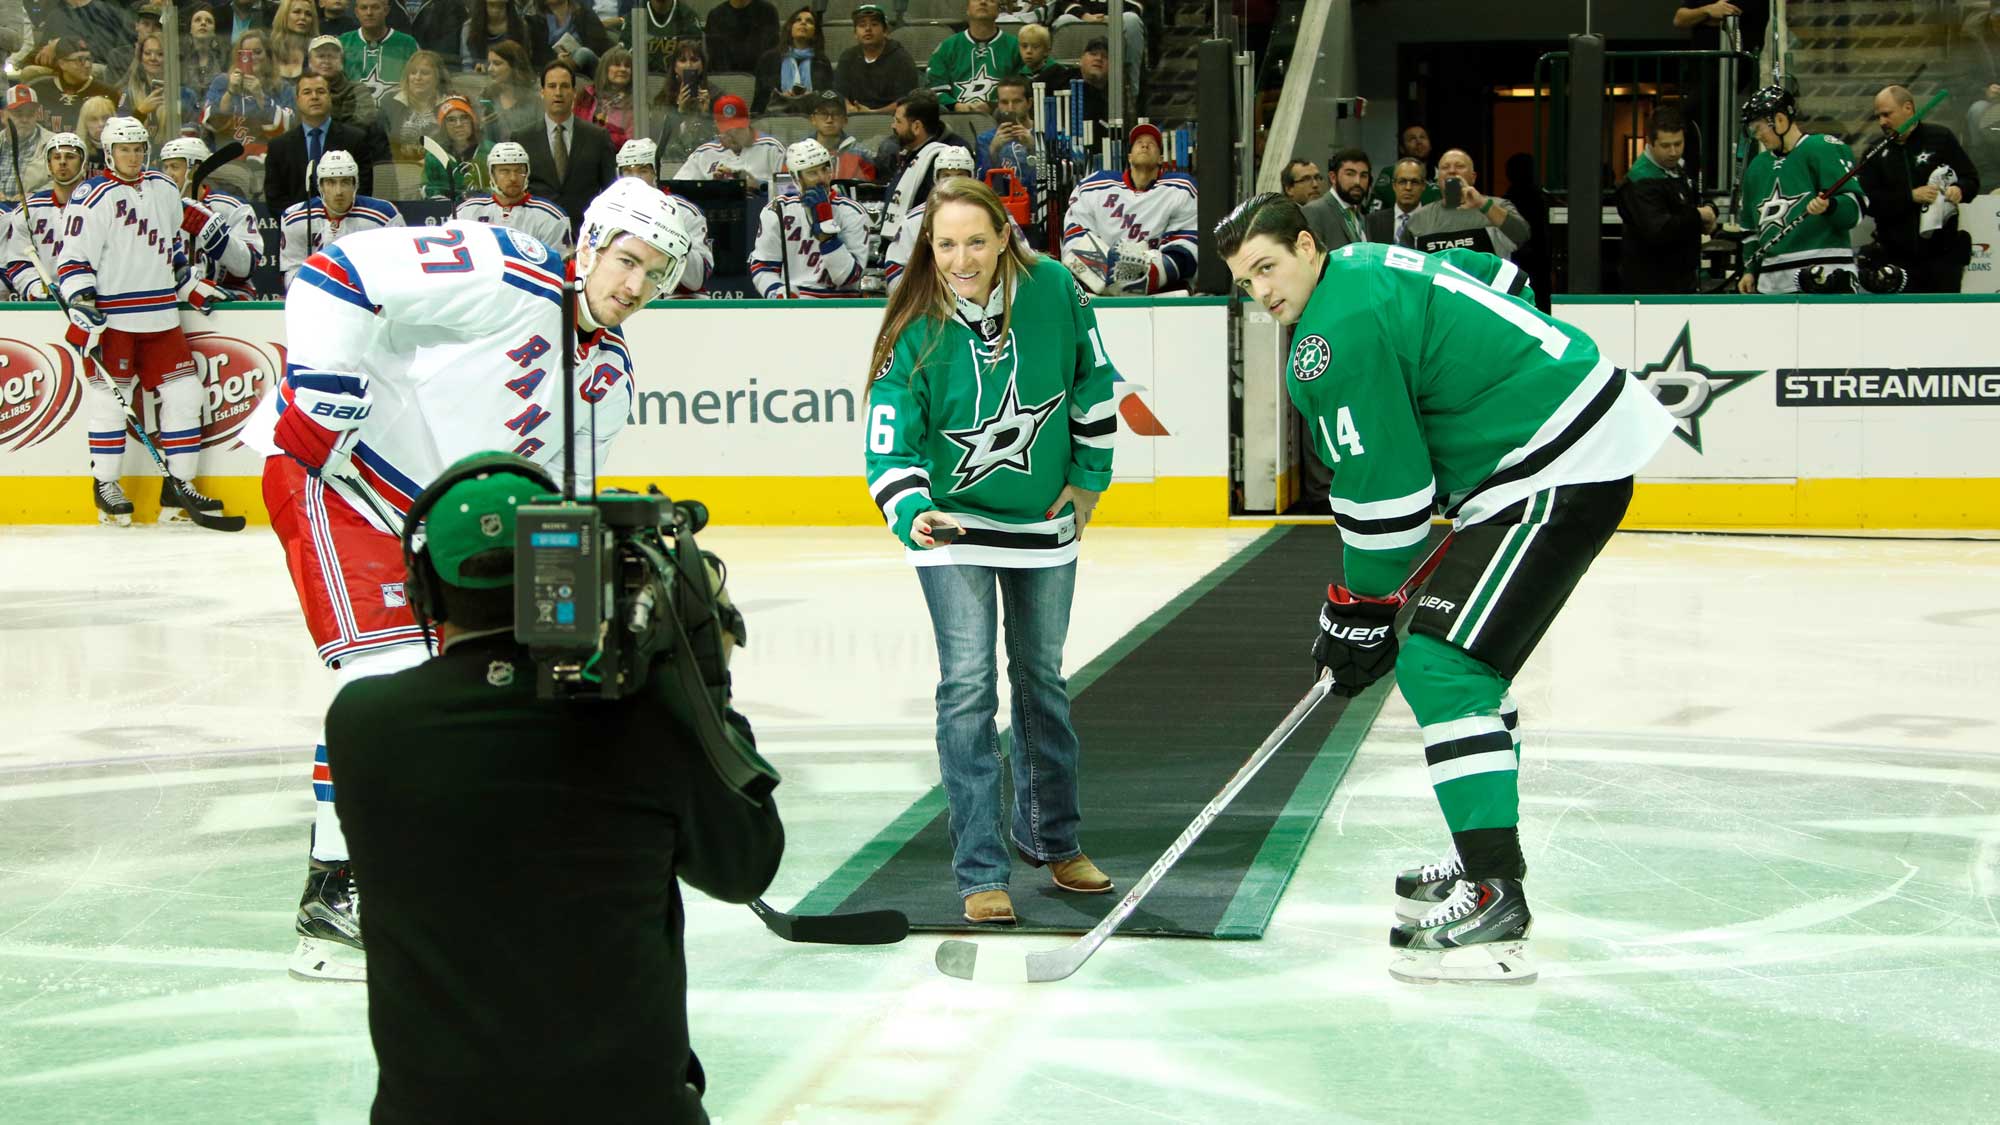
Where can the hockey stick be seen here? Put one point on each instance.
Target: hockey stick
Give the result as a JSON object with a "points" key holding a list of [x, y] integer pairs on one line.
{"points": [[215, 160], [449, 165], [865, 927], [1799, 214], [958, 958], [94, 358]]}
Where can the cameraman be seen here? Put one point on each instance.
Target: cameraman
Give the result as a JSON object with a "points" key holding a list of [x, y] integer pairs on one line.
{"points": [[1463, 216], [570, 1002]]}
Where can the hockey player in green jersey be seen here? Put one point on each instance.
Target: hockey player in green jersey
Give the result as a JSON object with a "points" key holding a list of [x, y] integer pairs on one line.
{"points": [[1428, 382], [989, 427], [1793, 226]]}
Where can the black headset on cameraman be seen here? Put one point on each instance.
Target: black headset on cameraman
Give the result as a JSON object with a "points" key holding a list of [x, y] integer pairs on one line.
{"points": [[421, 581]]}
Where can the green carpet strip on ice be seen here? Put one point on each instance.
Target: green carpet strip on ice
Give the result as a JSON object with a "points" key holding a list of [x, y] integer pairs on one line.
{"points": [[1165, 716]]}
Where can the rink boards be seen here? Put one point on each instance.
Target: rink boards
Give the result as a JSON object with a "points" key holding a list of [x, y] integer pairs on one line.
{"points": [[1824, 413]]}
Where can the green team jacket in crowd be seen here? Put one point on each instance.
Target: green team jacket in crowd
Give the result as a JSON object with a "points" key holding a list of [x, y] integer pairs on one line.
{"points": [[992, 434], [1775, 188], [965, 70], [1432, 381]]}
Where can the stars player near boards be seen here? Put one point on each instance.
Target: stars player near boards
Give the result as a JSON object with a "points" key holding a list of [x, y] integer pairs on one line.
{"points": [[1431, 382], [1794, 229], [407, 350]]}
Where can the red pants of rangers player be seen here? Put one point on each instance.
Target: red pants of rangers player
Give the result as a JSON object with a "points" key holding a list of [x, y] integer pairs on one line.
{"points": [[157, 361], [349, 578]]}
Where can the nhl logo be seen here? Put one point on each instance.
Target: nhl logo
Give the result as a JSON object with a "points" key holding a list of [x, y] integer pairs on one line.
{"points": [[500, 673], [489, 525], [1311, 358]]}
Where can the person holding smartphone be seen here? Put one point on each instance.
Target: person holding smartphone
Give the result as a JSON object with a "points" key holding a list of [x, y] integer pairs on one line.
{"points": [[990, 421], [1463, 217]]}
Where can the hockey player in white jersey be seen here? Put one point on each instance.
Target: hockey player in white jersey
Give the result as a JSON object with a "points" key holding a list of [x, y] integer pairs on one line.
{"points": [[36, 229], [178, 159], [738, 151], [1133, 233], [410, 349], [638, 159], [811, 243], [337, 211], [509, 203], [122, 268]]}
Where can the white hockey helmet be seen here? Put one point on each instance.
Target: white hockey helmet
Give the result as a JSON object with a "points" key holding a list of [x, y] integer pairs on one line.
{"points": [[638, 153], [631, 206], [191, 149], [806, 154], [506, 152], [954, 158], [124, 131], [63, 140], [338, 164]]}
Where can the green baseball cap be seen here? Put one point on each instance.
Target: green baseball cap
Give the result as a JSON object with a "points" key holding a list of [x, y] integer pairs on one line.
{"points": [[476, 516], [872, 10]]}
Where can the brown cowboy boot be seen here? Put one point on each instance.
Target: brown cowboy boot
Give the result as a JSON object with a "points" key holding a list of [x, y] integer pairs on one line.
{"points": [[989, 907]]}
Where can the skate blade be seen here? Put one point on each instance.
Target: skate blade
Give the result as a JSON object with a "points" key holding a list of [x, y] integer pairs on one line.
{"points": [[174, 515], [1501, 963], [108, 520], [316, 960]]}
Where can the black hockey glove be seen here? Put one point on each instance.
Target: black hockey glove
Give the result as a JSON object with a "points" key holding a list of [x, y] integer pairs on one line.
{"points": [[1356, 639]]}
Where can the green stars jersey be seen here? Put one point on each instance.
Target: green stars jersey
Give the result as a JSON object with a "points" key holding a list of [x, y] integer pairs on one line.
{"points": [[1777, 188], [992, 432], [962, 69], [1426, 382]]}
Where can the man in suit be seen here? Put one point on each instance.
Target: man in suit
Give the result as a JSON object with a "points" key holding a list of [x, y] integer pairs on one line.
{"points": [[569, 161], [1337, 217], [1409, 180], [316, 134]]}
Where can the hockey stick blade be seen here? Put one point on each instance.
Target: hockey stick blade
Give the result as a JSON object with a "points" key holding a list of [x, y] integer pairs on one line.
{"points": [[214, 522], [866, 927], [215, 160]]}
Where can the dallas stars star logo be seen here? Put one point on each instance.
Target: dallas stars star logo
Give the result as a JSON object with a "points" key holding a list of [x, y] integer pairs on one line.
{"points": [[1775, 210], [1004, 439], [1686, 388], [980, 87]]}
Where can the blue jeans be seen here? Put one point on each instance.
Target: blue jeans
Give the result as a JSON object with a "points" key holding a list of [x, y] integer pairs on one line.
{"points": [[965, 617]]}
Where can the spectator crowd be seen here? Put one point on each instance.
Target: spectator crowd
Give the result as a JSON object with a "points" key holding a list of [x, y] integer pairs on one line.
{"points": [[420, 94]]}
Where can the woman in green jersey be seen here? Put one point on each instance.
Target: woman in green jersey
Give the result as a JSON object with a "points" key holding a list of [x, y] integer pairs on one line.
{"points": [[989, 428]]}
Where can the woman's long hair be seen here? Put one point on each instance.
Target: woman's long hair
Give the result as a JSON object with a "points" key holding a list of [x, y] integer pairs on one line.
{"points": [[670, 91], [601, 81], [284, 44], [785, 43], [440, 91], [482, 37], [924, 295]]}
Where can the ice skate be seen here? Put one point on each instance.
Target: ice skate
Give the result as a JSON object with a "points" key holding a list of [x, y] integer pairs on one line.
{"points": [[113, 509], [329, 926], [1420, 889], [178, 497], [1477, 935]]}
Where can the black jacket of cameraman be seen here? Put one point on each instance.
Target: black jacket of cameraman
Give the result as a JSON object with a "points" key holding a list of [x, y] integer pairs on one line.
{"points": [[1660, 240], [518, 861]]}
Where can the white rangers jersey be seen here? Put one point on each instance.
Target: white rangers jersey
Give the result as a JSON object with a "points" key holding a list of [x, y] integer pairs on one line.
{"points": [[240, 255], [898, 257], [457, 328], [537, 217], [789, 259], [33, 231], [761, 158], [306, 230], [122, 239], [701, 251], [1163, 217]]}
